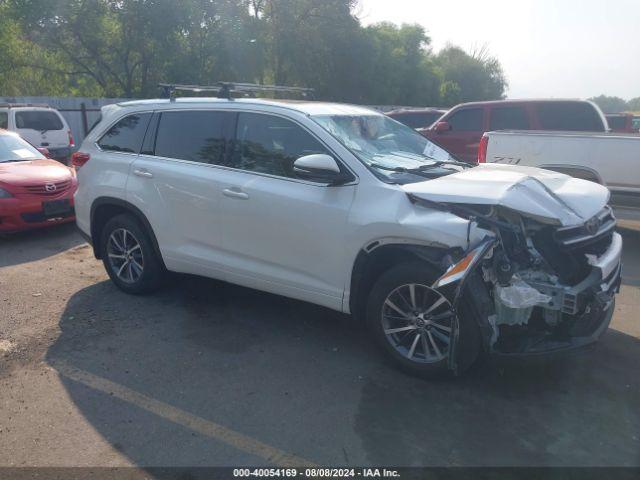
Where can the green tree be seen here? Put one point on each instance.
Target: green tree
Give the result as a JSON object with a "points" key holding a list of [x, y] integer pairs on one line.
{"points": [[450, 93], [634, 104], [126, 47], [479, 76], [610, 104]]}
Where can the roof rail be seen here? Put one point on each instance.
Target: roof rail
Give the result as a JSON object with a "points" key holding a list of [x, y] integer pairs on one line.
{"points": [[14, 105], [225, 89]]}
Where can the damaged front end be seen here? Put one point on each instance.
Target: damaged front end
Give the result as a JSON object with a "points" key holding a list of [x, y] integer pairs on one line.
{"points": [[533, 286]]}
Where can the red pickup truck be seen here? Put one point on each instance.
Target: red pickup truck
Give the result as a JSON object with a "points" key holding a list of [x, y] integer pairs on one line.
{"points": [[621, 122], [459, 131]]}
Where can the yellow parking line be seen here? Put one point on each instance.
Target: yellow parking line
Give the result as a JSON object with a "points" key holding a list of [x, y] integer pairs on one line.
{"points": [[180, 417]]}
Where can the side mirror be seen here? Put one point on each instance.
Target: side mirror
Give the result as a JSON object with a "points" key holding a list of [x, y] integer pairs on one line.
{"points": [[319, 167], [442, 127], [44, 151]]}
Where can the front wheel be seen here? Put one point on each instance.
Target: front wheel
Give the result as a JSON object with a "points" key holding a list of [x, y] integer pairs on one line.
{"points": [[413, 322], [129, 257]]}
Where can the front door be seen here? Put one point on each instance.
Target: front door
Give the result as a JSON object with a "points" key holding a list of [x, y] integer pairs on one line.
{"points": [[281, 233], [463, 139]]}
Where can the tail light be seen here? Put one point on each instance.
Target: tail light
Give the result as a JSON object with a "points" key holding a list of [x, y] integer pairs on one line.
{"points": [[482, 149], [78, 159], [72, 143]]}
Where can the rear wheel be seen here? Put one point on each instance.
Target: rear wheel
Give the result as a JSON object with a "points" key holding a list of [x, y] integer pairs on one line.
{"points": [[129, 257], [413, 322]]}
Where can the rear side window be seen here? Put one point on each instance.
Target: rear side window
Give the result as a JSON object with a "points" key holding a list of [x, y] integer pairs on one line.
{"points": [[572, 116], [38, 120], [191, 135], [270, 144], [469, 120], [509, 118], [126, 135], [4, 120], [617, 122]]}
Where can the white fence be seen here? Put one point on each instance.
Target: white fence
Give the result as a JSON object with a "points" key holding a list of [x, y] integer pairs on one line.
{"points": [[80, 113]]}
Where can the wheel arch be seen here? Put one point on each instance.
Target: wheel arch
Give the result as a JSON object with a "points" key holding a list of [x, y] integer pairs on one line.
{"points": [[105, 208], [377, 257]]}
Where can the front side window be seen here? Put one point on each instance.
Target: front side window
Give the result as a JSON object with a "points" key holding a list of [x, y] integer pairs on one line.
{"points": [[126, 135], [270, 144], [468, 120], [196, 136], [416, 120], [509, 118], [569, 116], [41, 120], [4, 120]]}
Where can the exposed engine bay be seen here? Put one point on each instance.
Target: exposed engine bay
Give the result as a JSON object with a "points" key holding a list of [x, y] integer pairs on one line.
{"points": [[536, 286]]}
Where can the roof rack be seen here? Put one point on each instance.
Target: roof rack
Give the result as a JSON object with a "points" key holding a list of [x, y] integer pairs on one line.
{"points": [[14, 105], [225, 89]]}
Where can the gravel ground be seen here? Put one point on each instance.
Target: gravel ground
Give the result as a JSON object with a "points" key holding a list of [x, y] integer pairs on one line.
{"points": [[205, 373]]}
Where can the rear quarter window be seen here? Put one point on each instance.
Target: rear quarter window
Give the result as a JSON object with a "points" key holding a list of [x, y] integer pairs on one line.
{"points": [[570, 116], [38, 120], [126, 135]]}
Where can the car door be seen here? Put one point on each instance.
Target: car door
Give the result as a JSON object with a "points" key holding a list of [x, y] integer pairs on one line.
{"points": [[280, 233], [512, 117], [463, 137], [175, 183]]}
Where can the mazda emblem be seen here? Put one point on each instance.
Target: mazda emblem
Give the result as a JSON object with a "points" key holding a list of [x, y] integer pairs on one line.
{"points": [[50, 187]]}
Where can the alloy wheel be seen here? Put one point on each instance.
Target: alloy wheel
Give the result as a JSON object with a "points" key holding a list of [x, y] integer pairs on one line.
{"points": [[125, 255], [417, 320]]}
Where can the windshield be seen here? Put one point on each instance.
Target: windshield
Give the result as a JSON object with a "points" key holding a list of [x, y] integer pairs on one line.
{"points": [[15, 149], [387, 146]]}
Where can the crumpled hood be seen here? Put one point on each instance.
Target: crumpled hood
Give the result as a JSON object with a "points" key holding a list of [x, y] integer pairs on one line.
{"points": [[549, 196]]}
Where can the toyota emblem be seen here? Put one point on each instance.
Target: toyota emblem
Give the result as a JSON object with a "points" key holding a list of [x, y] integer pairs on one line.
{"points": [[592, 226], [50, 187]]}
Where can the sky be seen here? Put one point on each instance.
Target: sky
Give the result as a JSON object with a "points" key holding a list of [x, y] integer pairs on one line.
{"points": [[547, 48]]}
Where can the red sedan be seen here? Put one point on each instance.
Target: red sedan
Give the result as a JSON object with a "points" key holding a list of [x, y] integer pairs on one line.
{"points": [[34, 190]]}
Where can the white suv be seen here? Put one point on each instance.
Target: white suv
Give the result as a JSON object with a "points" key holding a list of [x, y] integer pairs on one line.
{"points": [[340, 206], [41, 126]]}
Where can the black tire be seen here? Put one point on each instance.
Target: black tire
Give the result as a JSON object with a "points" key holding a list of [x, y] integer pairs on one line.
{"points": [[152, 274], [420, 274]]}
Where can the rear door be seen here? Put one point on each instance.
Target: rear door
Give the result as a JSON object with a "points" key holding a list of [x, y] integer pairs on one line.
{"points": [[281, 233], [175, 182], [41, 127], [462, 140], [512, 117]]}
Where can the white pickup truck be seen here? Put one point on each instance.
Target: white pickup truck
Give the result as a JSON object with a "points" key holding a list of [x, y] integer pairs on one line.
{"points": [[606, 158]]}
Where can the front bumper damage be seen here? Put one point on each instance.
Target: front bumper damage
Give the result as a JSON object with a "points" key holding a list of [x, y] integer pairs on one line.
{"points": [[570, 316]]}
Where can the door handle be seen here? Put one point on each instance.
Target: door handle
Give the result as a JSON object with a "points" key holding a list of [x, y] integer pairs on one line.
{"points": [[235, 193], [143, 173]]}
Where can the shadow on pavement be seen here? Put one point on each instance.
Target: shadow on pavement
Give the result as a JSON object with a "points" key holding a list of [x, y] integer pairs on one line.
{"points": [[630, 256], [32, 245], [307, 381]]}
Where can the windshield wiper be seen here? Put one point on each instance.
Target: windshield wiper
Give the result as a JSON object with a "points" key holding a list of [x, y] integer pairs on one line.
{"points": [[418, 170]]}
